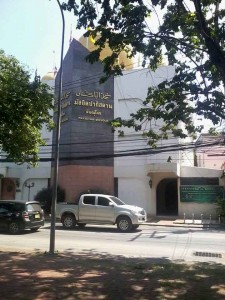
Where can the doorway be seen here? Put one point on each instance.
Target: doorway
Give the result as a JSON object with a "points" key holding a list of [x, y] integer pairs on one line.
{"points": [[167, 197], [8, 191]]}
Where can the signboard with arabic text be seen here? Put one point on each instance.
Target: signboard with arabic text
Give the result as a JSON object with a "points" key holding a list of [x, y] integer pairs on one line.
{"points": [[201, 193], [86, 109]]}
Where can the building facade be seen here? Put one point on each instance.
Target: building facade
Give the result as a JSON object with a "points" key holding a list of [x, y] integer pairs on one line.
{"points": [[93, 158]]}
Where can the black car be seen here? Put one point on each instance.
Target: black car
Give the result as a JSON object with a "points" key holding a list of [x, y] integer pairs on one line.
{"points": [[15, 216]]}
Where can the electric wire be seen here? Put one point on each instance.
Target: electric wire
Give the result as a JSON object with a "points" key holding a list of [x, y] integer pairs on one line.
{"points": [[136, 152]]}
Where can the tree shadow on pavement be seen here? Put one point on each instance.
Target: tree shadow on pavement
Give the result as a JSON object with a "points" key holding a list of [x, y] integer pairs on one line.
{"points": [[94, 275]]}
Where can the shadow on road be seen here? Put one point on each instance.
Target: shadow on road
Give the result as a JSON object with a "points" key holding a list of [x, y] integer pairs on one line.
{"points": [[94, 228], [101, 276]]}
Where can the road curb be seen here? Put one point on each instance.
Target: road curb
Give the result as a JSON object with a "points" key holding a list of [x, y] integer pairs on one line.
{"points": [[203, 226]]}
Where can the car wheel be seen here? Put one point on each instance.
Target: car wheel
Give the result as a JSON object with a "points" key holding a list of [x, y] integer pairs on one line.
{"points": [[34, 229], [14, 228], [68, 221], [124, 224]]}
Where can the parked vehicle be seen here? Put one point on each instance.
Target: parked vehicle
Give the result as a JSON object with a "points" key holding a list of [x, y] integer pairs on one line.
{"points": [[15, 216], [100, 209]]}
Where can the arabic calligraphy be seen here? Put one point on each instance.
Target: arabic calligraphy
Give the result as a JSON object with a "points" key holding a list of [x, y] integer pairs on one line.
{"points": [[96, 95], [91, 101], [65, 95], [65, 104]]}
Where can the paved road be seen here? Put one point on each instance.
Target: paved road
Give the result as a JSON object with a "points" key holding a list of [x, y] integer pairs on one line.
{"points": [[150, 241]]}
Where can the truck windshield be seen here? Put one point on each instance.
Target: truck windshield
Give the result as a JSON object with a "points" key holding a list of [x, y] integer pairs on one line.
{"points": [[117, 200]]}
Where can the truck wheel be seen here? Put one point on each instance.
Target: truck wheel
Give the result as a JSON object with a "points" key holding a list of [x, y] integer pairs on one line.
{"points": [[124, 224], [68, 221]]}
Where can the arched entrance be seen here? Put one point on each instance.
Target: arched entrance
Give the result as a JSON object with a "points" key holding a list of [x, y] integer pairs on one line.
{"points": [[167, 197]]}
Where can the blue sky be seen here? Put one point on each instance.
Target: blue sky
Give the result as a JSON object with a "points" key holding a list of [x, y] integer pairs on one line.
{"points": [[31, 31]]}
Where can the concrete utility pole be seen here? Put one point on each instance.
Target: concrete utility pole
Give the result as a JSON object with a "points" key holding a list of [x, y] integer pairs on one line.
{"points": [[56, 156]]}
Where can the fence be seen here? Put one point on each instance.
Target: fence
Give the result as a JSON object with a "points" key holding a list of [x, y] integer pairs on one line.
{"points": [[202, 219]]}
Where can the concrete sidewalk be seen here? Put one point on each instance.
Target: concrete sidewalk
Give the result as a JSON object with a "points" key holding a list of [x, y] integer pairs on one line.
{"points": [[178, 222]]}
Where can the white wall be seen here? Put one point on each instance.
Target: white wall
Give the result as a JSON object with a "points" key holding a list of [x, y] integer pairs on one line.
{"points": [[134, 83], [130, 90], [132, 191], [198, 209], [200, 172], [39, 184]]}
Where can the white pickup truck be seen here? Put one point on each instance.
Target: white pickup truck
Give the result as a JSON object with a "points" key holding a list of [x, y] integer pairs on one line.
{"points": [[100, 209]]}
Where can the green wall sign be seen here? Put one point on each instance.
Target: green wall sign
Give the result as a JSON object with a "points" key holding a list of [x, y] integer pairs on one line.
{"points": [[201, 193]]}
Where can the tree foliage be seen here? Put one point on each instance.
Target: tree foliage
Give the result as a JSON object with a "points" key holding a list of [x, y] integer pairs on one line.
{"points": [[24, 108], [44, 196], [189, 34]]}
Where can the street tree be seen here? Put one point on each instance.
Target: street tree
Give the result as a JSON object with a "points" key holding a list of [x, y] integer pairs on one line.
{"points": [[189, 34], [24, 109]]}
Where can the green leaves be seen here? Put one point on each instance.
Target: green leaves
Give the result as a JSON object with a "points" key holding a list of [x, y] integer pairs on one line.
{"points": [[188, 34], [24, 108]]}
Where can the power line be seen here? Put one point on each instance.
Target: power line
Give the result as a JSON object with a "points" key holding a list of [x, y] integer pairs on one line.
{"points": [[86, 80], [136, 152]]}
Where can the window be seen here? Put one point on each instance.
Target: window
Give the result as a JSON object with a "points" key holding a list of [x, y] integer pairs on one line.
{"points": [[117, 200], [33, 207], [16, 207], [11, 207], [103, 201], [4, 208], [89, 200]]}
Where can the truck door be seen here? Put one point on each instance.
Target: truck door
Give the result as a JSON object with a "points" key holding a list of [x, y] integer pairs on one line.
{"points": [[104, 211], [87, 208]]}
